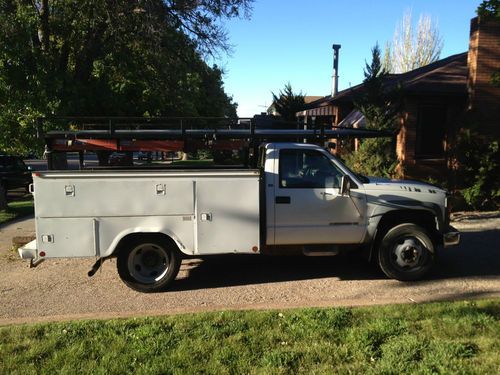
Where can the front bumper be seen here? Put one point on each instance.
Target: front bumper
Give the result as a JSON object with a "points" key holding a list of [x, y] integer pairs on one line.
{"points": [[451, 237]]}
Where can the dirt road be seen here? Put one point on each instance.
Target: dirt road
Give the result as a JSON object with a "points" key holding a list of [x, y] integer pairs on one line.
{"points": [[60, 289]]}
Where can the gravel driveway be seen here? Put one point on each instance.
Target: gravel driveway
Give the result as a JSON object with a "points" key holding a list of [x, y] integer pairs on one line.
{"points": [[60, 289]]}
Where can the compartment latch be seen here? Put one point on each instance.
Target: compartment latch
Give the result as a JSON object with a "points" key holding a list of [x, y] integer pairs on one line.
{"points": [[69, 190]]}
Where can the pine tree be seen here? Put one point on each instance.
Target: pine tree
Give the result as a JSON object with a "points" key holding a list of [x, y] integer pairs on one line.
{"points": [[287, 103], [380, 107]]}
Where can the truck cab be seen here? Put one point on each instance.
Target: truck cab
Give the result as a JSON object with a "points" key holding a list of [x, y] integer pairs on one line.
{"points": [[314, 199], [305, 202]]}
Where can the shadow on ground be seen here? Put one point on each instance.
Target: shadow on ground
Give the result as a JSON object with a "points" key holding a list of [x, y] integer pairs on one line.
{"points": [[232, 270], [477, 255]]}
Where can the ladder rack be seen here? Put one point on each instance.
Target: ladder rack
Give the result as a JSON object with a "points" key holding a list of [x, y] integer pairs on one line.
{"points": [[164, 134]]}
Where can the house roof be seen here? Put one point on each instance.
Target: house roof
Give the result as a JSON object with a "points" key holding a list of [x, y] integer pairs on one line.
{"points": [[447, 76], [310, 98]]}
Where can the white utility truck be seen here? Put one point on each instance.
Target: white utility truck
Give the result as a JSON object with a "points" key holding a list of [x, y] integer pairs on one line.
{"points": [[300, 198]]}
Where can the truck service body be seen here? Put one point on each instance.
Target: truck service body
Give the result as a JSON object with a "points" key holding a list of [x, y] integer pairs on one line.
{"points": [[301, 196]]}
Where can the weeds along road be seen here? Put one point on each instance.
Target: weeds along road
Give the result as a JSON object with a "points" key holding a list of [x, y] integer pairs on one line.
{"points": [[60, 289]]}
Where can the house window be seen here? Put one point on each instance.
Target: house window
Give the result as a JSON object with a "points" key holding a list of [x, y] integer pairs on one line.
{"points": [[431, 132]]}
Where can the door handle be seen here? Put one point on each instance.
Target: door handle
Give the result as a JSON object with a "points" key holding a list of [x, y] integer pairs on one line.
{"points": [[325, 193], [282, 200]]}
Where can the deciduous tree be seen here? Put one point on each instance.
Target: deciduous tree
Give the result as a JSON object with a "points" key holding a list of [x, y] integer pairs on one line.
{"points": [[413, 47], [69, 57], [200, 19]]}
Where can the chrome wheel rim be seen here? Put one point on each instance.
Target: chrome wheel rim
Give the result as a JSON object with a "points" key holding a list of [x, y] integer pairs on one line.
{"points": [[148, 263]]}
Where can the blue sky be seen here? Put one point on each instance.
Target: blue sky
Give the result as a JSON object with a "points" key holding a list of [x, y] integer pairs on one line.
{"points": [[291, 41]]}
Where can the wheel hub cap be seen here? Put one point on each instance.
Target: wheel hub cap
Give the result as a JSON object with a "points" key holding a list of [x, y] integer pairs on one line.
{"points": [[148, 263], [408, 253]]}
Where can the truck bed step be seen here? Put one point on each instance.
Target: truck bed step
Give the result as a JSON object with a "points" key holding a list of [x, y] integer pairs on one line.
{"points": [[320, 250]]}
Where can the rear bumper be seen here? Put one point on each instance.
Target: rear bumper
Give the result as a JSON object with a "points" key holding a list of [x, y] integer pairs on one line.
{"points": [[451, 237], [28, 251]]}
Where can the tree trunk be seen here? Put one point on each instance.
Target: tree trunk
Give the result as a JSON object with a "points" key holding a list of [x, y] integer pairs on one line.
{"points": [[3, 198], [44, 25]]}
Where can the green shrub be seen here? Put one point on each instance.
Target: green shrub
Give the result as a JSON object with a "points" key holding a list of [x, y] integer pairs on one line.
{"points": [[374, 157], [477, 167]]}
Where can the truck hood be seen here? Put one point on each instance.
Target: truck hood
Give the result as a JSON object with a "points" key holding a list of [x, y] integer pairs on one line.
{"points": [[380, 183]]}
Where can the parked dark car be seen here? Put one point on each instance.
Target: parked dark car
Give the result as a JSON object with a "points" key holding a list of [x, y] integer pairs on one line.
{"points": [[121, 159], [14, 173], [144, 155]]}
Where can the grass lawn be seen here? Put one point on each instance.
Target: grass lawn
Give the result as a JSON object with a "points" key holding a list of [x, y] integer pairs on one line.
{"points": [[447, 338], [15, 210]]}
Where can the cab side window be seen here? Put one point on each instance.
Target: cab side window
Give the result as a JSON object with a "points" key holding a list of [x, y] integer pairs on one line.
{"points": [[307, 169]]}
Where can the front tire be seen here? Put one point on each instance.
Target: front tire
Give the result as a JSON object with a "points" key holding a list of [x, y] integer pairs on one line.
{"points": [[149, 263], [406, 253]]}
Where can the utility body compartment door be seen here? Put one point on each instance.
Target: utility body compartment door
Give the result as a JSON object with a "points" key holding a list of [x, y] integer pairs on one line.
{"points": [[63, 237], [102, 195], [227, 214], [85, 214], [308, 206]]}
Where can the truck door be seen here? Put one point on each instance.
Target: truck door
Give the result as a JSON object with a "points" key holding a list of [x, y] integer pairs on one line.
{"points": [[308, 206]]}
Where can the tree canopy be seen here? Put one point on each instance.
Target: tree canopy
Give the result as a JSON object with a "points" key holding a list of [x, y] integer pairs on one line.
{"points": [[83, 57], [287, 103], [199, 19], [490, 9], [413, 47]]}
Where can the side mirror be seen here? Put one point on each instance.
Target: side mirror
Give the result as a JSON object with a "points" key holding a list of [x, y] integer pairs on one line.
{"points": [[345, 185]]}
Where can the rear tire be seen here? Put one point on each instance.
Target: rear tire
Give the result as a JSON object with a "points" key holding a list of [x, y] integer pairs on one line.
{"points": [[148, 263], [406, 253]]}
